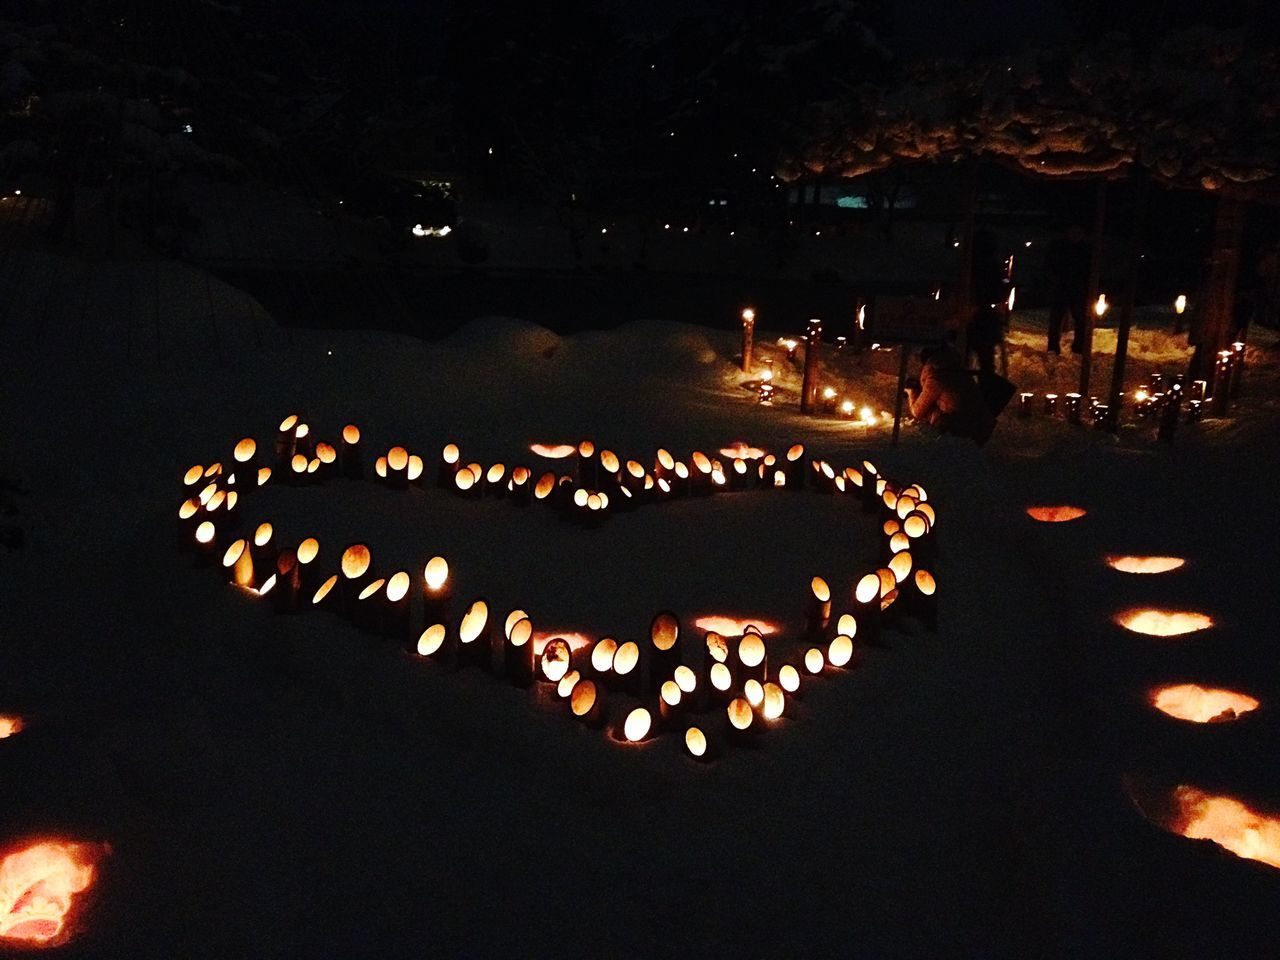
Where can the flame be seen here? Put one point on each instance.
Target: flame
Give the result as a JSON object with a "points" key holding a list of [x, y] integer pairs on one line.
{"points": [[739, 450], [733, 626], [557, 451], [1180, 304], [1228, 823], [1145, 564], [1190, 701], [1055, 514], [1101, 306], [9, 726], [1163, 623], [37, 887]]}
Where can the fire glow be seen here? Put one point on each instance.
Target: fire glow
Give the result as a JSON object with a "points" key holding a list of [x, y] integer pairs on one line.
{"points": [[1228, 823], [37, 888], [1055, 514], [9, 726], [1145, 564], [741, 451], [1190, 701], [1163, 623], [734, 626]]}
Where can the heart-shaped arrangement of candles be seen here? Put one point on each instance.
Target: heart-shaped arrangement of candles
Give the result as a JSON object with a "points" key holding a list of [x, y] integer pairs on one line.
{"points": [[638, 689]]}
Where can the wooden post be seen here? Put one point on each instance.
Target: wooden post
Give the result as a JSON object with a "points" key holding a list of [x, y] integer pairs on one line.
{"points": [[748, 337], [897, 403], [812, 352], [1212, 327], [1127, 297], [1095, 281]]}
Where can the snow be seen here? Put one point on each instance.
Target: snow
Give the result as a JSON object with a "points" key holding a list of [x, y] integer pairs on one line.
{"points": [[288, 786]]}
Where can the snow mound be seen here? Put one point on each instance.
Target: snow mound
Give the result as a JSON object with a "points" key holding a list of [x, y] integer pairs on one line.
{"points": [[655, 343], [506, 335]]}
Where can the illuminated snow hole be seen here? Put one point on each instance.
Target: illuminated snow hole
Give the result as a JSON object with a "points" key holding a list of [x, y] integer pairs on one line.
{"points": [[1127, 564], [1190, 701], [1055, 514], [1163, 623], [1230, 823]]}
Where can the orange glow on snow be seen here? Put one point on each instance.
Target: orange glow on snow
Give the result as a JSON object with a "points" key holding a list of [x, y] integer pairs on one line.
{"points": [[1190, 701], [1227, 822], [1163, 623], [733, 626], [741, 451], [1055, 514], [576, 641], [37, 885], [1145, 564], [556, 451]]}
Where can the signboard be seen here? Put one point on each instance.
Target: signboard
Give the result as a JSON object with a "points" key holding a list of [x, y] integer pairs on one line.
{"points": [[911, 319]]}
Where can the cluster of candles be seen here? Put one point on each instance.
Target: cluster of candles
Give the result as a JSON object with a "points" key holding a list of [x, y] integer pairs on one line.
{"points": [[734, 687], [1071, 406]]}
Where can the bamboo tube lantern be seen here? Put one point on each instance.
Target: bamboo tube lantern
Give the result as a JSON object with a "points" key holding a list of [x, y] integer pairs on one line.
{"points": [[739, 474], [637, 726], [588, 476], [818, 607], [465, 484], [193, 476], [325, 594], [664, 465], [495, 479], [812, 350], [685, 679], [564, 689], [765, 470], [264, 474], [437, 592], [298, 468], [924, 599], [866, 606], [753, 691], [669, 702], [900, 565], [520, 485], [697, 745], [355, 564], [635, 476], [302, 440], [352, 462], [741, 719], [680, 485], [795, 466], [840, 651], [416, 469], [245, 455], [517, 653], [748, 337], [610, 467], [450, 458], [664, 637], [263, 547], [701, 473], [587, 703], [206, 540], [288, 582], [720, 683], [326, 456], [546, 486], [753, 660], [473, 637], [870, 486], [555, 660], [434, 642], [40, 887], [888, 587], [626, 667], [775, 702], [306, 553], [396, 616], [286, 441], [213, 471], [603, 652], [369, 606], [814, 661], [789, 679], [514, 617], [238, 562]]}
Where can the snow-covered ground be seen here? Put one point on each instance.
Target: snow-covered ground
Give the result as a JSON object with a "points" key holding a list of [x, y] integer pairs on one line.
{"points": [[291, 787]]}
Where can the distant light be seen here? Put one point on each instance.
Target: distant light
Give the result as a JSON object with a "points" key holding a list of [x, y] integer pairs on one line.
{"points": [[419, 230], [684, 229], [1180, 304], [955, 243], [1027, 244], [666, 226], [187, 128], [491, 151], [330, 353], [604, 229]]}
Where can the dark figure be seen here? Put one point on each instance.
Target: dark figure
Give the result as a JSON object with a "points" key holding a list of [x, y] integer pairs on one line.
{"points": [[948, 397], [988, 291], [1067, 265]]}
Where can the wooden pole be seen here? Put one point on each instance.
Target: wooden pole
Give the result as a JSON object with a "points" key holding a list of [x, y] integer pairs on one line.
{"points": [[812, 352], [748, 337], [1215, 317], [897, 406], [1127, 297], [1095, 281]]}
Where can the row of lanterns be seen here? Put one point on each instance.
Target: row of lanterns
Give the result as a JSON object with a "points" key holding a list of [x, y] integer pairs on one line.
{"points": [[638, 690]]}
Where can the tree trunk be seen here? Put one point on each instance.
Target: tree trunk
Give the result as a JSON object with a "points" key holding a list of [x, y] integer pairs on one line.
{"points": [[965, 297], [1095, 281], [1127, 297], [1215, 323]]}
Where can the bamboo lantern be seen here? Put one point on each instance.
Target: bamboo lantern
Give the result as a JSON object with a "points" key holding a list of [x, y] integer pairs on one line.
{"points": [[587, 703], [924, 599], [517, 653], [520, 485], [795, 467], [603, 652], [286, 442], [369, 605], [307, 578], [238, 562], [840, 651], [610, 468], [888, 587], [701, 474], [866, 606], [326, 596], [715, 650], [697, 745], [380, 468], [288, 574], [206, 541], [753, 659], [870, 480], [437, 592], [812, 350], [465, 483], [741, 721], [814, 661], [450, 458], [687, 681], [739, 474], [638, 725], [818, 608], [681, 481], [789, 679], [719, 684], [327, 456], [664, 465], [634, 477], [302, 440], [352, 462], [298, 469], [555, 660], [748, 337], [474, 637], [245, 455], [775, 702], [564, 689], [626, 668], [396, 615], [765, 470], [264, 474], [664, 655], [901, 564], [435, 642], [588, 476], [753, 693], [670, 706], [546, 486], [263, 547], [355, 564], [495, 479], [193, 476]]}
